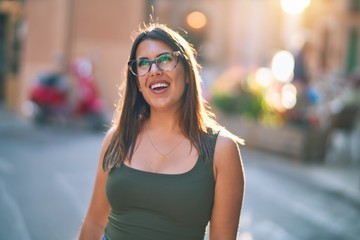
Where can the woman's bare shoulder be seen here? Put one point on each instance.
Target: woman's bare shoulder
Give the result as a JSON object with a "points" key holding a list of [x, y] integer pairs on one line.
{"points": [[227, 140], [108, 136], [227, 152]]}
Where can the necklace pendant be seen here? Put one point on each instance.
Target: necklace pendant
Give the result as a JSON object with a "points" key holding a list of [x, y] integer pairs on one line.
{"points": [[164, 156]]}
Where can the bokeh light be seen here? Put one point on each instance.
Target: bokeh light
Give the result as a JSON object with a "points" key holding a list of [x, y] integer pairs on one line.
{"points": [[274, 100], [288, 98], [294, 6], [263, 77], [196, 20], [282, 66]]}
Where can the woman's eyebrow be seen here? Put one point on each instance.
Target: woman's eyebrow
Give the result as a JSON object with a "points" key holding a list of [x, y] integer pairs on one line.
{"points": [[155, 57], [162, 54]]}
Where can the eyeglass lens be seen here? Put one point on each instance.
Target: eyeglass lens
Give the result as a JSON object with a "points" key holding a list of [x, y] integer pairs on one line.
{"points": [[165, 62]]}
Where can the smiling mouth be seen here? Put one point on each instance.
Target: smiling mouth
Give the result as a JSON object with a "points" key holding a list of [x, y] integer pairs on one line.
{"points": [[159, 86]]}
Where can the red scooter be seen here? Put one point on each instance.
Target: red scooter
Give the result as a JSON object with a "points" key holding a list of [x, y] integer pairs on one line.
{"points": [[68, 98]]}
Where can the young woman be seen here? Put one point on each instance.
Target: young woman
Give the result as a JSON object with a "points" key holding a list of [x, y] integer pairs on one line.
{"points": [[166, 167]]}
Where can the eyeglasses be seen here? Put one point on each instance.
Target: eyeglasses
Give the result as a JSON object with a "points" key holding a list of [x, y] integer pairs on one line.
{"points": [[165, 62]]}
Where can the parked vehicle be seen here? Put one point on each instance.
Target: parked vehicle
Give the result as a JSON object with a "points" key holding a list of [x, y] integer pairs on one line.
{"points": [[68, 98]]}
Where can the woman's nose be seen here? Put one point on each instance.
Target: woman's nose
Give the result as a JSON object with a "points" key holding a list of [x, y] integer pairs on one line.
{"points": [[154, 70]]}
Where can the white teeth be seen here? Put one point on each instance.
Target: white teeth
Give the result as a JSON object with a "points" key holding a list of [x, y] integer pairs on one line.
{"points": [[159, 85]]}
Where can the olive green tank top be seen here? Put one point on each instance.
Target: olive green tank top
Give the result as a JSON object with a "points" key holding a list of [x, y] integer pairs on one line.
{"points": [[155, 206]]}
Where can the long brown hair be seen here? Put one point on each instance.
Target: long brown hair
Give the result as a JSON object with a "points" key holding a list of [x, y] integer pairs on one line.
{"points": [[195, 118]]}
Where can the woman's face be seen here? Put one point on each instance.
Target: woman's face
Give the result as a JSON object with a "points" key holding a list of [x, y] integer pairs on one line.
{"points": [[162, 90]]}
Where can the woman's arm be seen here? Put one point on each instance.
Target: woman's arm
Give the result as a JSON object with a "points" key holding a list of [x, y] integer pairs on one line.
{"points": [[229, 188], [96, 216]]}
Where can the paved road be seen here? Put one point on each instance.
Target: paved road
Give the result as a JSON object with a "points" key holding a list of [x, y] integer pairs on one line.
{"points": [[283, 203], [45, 181], [46, 178]]}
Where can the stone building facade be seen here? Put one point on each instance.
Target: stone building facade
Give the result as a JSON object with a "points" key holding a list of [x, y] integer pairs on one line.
{"points": [[41, 35]]}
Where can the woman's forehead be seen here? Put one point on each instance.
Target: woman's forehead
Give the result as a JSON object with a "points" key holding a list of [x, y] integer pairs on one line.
{"points": [[150, 48]]}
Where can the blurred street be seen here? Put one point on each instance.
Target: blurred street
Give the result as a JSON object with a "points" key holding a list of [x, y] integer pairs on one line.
{"points": [[47, 173]]}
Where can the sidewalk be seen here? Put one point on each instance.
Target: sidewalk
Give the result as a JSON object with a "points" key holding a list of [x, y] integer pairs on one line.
{"points": [[342, 179], [11, 120]]}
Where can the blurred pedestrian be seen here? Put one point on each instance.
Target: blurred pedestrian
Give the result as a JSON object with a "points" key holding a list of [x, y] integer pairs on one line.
{"points": [[166, 167]]}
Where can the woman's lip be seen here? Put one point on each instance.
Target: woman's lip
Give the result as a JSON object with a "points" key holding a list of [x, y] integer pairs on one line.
{"points": [[159, 85], [159, 90], [162, 87], [159, 82]]}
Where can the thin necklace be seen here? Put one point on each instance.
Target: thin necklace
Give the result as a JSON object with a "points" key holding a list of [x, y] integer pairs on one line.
{"points": [[164, 156]]}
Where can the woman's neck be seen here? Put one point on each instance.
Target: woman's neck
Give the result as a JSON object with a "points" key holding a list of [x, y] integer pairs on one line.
{"points": [[163, 121]]}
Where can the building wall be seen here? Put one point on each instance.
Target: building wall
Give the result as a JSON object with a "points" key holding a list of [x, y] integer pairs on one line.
{"points": [[243, 32], [44, 42], [59, 31], [248, 33], [12, 12], [102, 33], [237, 32], [329, 23]]}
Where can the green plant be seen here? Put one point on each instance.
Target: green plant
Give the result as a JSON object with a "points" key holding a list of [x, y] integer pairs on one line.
{"points": [[242, 103]]}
